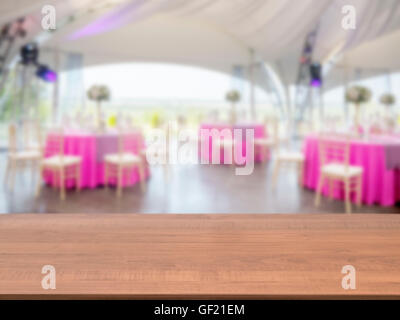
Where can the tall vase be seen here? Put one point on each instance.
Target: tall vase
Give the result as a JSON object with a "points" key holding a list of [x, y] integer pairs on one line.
{"points": [[99, 119], [357, 118], [388, 110], [233, 114], [389, 122]]}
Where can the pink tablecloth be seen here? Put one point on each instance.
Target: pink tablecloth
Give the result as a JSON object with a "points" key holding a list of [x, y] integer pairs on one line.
{"points": [[92, 148], [259, 132], [380, 185]]}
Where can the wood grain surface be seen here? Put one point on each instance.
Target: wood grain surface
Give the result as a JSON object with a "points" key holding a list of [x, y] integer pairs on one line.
{"points": [[199, 256]]}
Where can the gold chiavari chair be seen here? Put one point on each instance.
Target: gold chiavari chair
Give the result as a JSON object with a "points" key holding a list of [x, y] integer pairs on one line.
{"points": [[61, 166], [161, 152], [32, 133], [117, 164], [286, 156], [334, 155], [265, 145], [19, 159]]}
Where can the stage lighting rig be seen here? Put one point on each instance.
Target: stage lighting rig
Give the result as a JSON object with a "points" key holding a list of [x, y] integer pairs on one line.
{"points": [[29, 58], [46, 74], [316, 75], [29, 54]]}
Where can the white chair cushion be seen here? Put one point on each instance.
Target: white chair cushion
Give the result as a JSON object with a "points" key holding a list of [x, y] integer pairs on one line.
{"points": [[58, 161], [123, 158], [26, 155], [290, 156], [265, 142], [34, 147], [223, 143], [339, 170], [160, 152]]}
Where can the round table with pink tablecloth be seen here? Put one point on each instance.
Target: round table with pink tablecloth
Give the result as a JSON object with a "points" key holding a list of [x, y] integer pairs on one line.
{"points": [[92, 147], [380, 159]]}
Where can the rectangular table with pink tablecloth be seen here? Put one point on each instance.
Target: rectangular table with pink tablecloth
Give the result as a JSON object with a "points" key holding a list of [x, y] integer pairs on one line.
{"points": [[258, 130], [378, 158], [92, 148]]}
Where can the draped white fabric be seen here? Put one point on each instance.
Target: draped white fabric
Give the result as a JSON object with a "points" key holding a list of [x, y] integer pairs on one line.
{"points": [[211, 33]]}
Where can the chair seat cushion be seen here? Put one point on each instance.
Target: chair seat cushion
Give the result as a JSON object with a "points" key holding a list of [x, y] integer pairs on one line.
{"points": [[264, 142], [58, 161], [160, 152], [35, 147], [123, 158], [290, 156], [26, 155], [223, 143], [339, 170]]}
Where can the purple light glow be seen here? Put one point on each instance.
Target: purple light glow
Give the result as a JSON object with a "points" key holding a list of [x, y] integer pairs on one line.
{"points": [[118, 18], [50, 76], [316, 83], [46, 74]]}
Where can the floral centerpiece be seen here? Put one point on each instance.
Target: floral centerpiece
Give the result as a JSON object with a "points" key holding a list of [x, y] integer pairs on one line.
{"points": [[358, 95], [233, 96], [387, 99], [99, 93]]}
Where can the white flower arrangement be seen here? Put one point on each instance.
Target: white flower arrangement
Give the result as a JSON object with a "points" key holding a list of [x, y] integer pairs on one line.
{"points": [[358, 95], [98, 93], [233, 96], [387, 99]]}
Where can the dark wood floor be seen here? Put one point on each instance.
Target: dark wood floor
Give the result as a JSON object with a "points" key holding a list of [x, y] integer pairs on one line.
{"points": [[189, 189], [200, 256]]}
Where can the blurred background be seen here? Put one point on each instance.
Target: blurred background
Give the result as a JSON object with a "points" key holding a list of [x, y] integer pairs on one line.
{"points": [[308, 67]]}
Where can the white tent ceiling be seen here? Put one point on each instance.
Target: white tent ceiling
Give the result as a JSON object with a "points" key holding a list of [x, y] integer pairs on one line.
{"points": [[216, 34], [382, 53]]}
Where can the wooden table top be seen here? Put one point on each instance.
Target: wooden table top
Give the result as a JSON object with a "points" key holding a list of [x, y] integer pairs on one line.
{"points": [[199, 256]]}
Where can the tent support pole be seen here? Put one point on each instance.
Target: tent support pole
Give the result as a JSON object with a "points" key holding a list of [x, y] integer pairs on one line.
{"points": [[290, 113], [252, 94], [56, 86], [346, 85], [321, 104]]}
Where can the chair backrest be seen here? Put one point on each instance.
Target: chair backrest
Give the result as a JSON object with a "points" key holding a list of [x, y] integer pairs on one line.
{"points": [[281, 139], [121, 141], [55, 143], [38, 134], [271, 127], [12, 138], [127, 141], [168, 127], [305, 128], [334, 148], [32, 132]]}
